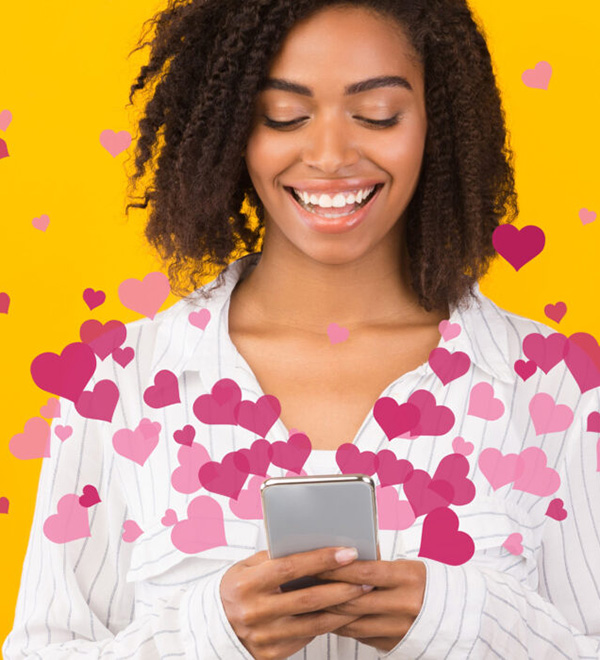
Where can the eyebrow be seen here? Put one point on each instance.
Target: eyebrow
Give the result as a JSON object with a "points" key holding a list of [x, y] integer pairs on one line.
{"points": [[354, 88]]}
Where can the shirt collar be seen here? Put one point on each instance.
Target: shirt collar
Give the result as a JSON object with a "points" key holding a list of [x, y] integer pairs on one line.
{"points": [[180, 346]]}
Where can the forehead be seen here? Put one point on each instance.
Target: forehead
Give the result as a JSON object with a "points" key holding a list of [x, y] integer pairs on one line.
{"points": [[337, 45]]}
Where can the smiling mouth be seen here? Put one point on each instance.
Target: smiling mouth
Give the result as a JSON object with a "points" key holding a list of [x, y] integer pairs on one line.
{"points": [[333, 212]]}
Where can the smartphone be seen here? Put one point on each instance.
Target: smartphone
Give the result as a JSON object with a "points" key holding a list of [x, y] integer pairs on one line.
{"points": [[309, 512]]}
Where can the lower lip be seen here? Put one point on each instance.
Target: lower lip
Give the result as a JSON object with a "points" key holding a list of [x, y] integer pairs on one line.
{"points": [[334, 225]]}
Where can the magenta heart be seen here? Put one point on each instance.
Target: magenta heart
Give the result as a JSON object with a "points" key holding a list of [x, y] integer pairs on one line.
{"points": [[258, 456], [351, 460], [219, 406], [555, 312], [93, 298], [546, 352], [499, 470], [3, 149], [90, 496], [103, 339], [424, 494], [453, 469], [441, 540], [100, 403], [525, 369], [147, 296], [394, 418], [291, 455], [227, 477], [131, 531], [4, 302], [392, 470], [164, 392], [34, 442], [137, 445], [123, 356], [203, 529], [556, 509], [593, 422], [448, 366], [185, 436], [200, 318], [66, 374], [4, 503], [582, 367], [69, 523], [518, 246], [434, 419], [258, 417]]}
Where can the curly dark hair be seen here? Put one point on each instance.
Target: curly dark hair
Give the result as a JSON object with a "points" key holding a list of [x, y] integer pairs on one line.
{"points": [[210, 59]]}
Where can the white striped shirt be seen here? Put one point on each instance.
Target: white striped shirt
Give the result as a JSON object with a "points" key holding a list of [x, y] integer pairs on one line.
{"points": [[99, 596]]}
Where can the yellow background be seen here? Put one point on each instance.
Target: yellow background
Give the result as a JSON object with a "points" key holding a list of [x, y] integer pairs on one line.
{"points": [[65, 77]]}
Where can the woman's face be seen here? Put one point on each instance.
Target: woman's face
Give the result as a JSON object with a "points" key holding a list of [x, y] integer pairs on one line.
{"points": [[330, 146]]}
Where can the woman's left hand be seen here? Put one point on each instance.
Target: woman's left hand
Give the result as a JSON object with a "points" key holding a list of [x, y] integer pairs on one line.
{"points": [[386, 612]]}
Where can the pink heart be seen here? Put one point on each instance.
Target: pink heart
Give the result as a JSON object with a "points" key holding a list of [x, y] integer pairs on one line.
{"points": [[513, 543], [3, 149], [200, 318], [351, 460], [483, 404], [4, 504], [441, 540], [258, 417], [424, 494], [546, 352], [34, 442], [123, 356], [461, 447], [598, 456], [258, 457], [41, 223], [63, 432], [219, 406], [5, 119], [539, 76], [227, 477], [93, 298], [499, 470], [147, 296], [131, 531], [525, 369], [454, 469], [185, 436], [582, 358], [337, 333], [115, 143], [65, 375], [593, 422], [185, 477], [100, 403], [137, 445], [449, 330], [535, 477], [518, 246], [69, 523], [291, 455], [586, 216], [395, 418], [164, 392], [51, 409], [103, 339], [170, 518], [248, 505], [4, 303], [203, 529], [392, 513], [448, 366], [556, 509], [555, 312], [434, 419], [547, 416], [392, 470], [90, 496]]}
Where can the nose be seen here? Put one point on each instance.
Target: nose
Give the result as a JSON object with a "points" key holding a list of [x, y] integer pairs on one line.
{"points": [[329, 145]]}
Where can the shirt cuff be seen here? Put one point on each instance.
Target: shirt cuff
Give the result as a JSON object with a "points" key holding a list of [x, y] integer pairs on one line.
{"points": [[449, 621]]}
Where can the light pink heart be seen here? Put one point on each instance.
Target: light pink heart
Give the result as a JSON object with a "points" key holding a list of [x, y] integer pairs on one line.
{"points": [[202, 529], [34, 442], [499, 469], [449, 330], [556, 311], [513, 543], [146, 296], [137, 445], [539, 76], [5, 119], [392, 513], [337, 333], [483, 404], [548, 416], [41, 223], [460, 446], [63, 432], [115, 143], [248, 504], [170, 518], [69, 523], [51, 409], [535, 477], [586, 216], [185, 477], [200, 318], [131, 531]]}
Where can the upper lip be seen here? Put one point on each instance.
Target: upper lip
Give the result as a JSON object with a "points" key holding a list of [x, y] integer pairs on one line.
{"points": [[333, 185]]}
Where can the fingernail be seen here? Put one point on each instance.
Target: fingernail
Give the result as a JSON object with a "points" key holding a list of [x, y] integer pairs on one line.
{"points": [[368, 587], [345, 555]]}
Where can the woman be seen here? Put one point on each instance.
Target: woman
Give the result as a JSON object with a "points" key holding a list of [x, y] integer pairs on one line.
{"points": [[369, 139]]}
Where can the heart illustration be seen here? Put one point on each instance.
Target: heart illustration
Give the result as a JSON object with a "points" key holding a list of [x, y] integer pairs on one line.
{"points": [[337, 333], [586, 216], [593, 422], [65, 375], [202, 529], [434, 419], [441, 540], [547, 416], [103, 339], [100, 403], [227, 477], [539, 76], [258, 417], [93, 298], [145, 297], [131, 531], [555, 312], [460, 446], [546, 352], [34, 442], [5, 119], [449, 330], [51, 409], [123, 356], [164, 392], [4, 302], [392, 513], [4, 504], [200, 318], [518, 246], [448, 366], [219, 406], [170, 518], [185, 436], [513, 543], [499, 470], [248, 505], [3, 149], [41, 223], [395, 418], [424, 494], [525, 369], [483, 404], [90, 496], [137, 445], [69, 523], [63, 432], [185, 477], [556, 509], [582, 358], [392, 470], [351, 460], [535, 477], [258, 457], [454, 469], [291, 455], [115, 143]]}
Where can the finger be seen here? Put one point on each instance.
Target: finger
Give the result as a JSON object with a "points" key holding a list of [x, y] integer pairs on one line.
{"points": [[312, 624], [375, 625], [313, 599], [375, 573], [257, 558], [367, 603]]}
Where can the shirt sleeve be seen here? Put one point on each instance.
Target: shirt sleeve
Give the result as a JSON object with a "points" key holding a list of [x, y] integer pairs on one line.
{"points": [[74, 599], [476, 611]]}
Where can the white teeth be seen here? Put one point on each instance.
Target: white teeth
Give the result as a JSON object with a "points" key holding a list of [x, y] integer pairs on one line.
{"points": [[339, 200]]}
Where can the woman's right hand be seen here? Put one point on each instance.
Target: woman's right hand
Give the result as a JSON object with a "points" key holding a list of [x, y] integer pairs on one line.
{"points": [[264, 618]]}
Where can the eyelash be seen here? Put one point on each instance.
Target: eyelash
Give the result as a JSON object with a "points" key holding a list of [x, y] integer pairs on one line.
{"points": [[381, 123]]}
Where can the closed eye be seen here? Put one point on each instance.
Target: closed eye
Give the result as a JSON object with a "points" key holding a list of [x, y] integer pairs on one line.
{"points": [[381, 123]]}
